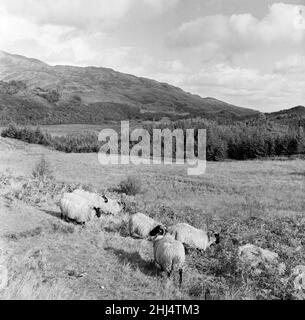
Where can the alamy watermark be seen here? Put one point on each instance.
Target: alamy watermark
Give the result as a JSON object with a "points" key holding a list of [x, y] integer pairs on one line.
{"points": [[189, 149]]}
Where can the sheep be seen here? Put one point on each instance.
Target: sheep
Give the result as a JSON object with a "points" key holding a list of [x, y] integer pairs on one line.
{"points": [[140, 225], [77, 209], [169, 253], [107, 205], [192, 237]]}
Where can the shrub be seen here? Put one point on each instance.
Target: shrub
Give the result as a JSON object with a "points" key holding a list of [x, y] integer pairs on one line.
{"points": [[131, 186], [80, 143], [42, 170], [10, 132], [25, 134], [51, 96]]}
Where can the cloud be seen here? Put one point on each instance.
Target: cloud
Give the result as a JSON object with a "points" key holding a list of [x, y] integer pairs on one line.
{"points": [[248, 61], [83, 13], [245, 87], [293, 64], [242, 32]]}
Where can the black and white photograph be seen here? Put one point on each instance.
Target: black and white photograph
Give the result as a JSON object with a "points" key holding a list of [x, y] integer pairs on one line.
{"points": [[152, 150]]}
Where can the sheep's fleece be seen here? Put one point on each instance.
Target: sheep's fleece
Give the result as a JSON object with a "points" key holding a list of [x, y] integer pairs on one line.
{"points": [[140, 225], [169, 253], [191, 236], [76, 208], [107, 205]]}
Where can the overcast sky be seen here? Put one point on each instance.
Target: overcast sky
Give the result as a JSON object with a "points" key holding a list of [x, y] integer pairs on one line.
{"points": [[245, 52]]}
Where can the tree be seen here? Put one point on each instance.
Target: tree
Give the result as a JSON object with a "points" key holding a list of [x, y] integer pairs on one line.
{"points": [[300, 140]]}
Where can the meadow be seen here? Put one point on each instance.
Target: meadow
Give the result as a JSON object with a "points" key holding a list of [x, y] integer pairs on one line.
{"points": [[258, 202]]}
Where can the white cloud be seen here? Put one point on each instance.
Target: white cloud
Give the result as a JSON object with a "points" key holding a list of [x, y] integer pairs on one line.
{"points": [[83, 13], [245, 87], [291, 65], [248, 61], [240, 32]]}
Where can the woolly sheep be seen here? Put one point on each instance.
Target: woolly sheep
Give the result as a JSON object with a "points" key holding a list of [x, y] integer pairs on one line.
{"points": [[107, 205], [77, 209], [140, 225], [193, 237], [169, 253]]}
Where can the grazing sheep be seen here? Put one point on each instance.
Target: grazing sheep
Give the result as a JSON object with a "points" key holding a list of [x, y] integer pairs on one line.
{"points": [[77, 209], [140, 225], [107, 205], [169, 253], [192, 237]]}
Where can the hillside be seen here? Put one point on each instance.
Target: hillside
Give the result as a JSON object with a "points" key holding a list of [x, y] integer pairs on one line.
{"points": [[293, 116], [32, 91]]}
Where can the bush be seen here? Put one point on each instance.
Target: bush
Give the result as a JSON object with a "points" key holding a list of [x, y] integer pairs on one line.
{"points": [[10, 132], [80, 143], [131, 186], [42, 170], [28, 135]]}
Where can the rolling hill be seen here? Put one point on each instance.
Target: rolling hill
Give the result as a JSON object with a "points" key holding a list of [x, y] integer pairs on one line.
{"points": [[293, 116], [34, 92]]}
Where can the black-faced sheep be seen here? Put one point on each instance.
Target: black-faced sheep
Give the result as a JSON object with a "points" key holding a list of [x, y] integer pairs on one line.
{"points": [[140, 225], [192, 237], [169, 253]]}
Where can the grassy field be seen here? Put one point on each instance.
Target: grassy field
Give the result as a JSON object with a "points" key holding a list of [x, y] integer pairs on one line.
{"points": [[259, 202]]}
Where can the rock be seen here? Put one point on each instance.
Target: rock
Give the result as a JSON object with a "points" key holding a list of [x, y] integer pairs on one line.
{"points": [[255, 255]]}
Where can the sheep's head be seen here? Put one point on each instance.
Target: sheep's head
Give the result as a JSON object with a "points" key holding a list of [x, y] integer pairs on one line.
{"points": [[214, 238], [159, 230], [111, 206]]}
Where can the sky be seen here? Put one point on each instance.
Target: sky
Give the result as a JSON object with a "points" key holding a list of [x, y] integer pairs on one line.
{"points": [[248, 53]]}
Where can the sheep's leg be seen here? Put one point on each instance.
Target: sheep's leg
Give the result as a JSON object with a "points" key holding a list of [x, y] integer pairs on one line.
{"points": [[180, 277]]}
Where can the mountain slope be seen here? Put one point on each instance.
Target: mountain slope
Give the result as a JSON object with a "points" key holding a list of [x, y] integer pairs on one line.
{"points": [[85, 90], [293, 116]]}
